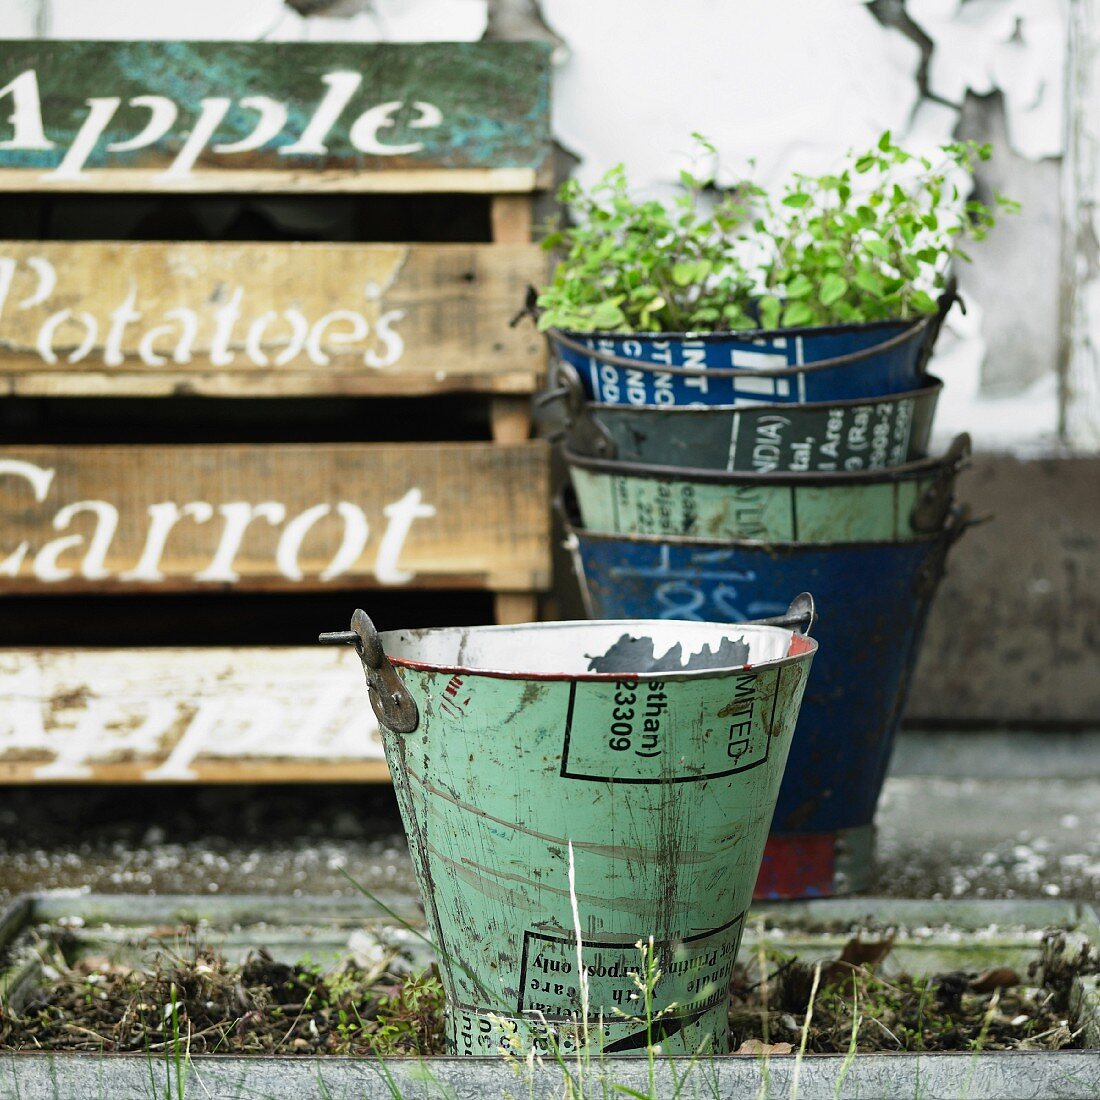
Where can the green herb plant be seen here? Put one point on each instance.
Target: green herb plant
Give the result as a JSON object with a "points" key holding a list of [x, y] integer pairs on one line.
{"points": [[872, 241], [633, 265]]}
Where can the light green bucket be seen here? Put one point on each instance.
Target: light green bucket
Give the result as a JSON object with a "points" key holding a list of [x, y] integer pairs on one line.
{"points": [[613, 777], [890, 505]]}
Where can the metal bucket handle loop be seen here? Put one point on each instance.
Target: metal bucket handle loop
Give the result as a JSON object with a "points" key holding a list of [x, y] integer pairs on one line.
{"points": [[801, 615], [929, 511], [585, 434], [392, 704]]}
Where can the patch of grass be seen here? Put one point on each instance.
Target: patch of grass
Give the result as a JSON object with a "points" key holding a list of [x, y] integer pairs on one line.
{"points": [[858, 1009], [193, 1001]]}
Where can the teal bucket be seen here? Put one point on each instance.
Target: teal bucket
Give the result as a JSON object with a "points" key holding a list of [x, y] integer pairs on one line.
{"points": [[576, 792]]}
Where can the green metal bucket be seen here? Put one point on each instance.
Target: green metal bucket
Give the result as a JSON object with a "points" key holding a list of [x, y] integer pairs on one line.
{"points": [[893, 505], [610, 782]]}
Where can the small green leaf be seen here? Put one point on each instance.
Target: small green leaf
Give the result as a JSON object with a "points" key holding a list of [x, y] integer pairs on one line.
{"points": [[833, 287], [923, 302], [797, 199], [796, 314], [884, 142], [799, 287], [769, 312], [683, 273], [868, 281]]}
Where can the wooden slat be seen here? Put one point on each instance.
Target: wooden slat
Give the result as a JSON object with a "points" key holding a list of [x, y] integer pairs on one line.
{"points": [[150, 319], [265, 517], [511, 218], [257, 116], [186, 715]]}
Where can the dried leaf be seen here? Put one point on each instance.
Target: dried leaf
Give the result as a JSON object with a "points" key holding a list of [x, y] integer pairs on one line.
{"points": [[868, 953], [857, 954], [755, 1046], [1000, 978]]}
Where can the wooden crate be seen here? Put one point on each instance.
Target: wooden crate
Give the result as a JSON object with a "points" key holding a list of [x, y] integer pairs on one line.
{"points": [[94, 319]]}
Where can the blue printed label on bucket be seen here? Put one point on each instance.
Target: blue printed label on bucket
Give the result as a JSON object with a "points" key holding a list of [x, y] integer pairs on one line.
{"points": [[624, 732]]}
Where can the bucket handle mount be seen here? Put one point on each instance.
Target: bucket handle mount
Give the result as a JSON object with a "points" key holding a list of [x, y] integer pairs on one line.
{"points": [[801, 615], [393, 706]]}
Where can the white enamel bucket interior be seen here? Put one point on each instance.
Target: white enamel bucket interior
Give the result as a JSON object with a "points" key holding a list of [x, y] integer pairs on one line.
{"points": [[594, 649]]}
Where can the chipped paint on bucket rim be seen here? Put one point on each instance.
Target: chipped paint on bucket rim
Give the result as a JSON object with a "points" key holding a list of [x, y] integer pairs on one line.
{"points": [[395, 640]]}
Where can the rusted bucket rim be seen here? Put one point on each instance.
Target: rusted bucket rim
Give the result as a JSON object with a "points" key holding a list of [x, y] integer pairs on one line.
{"points": [[572, 340], [935, 385], [559, 642], [958, 521], [954, 457]]}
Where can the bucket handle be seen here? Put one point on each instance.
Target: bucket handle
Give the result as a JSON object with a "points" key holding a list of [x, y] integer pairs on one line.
{"points": [[801, 614], [393, 706], [927, 514], [584, 433]]}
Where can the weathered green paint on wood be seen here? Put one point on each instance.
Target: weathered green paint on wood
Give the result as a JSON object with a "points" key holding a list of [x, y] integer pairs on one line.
{"points": [[189, 115]]}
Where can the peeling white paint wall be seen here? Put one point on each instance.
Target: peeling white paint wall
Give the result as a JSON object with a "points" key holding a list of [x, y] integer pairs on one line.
{"points": [[791, 83], [1081, 260], [794, 85]]}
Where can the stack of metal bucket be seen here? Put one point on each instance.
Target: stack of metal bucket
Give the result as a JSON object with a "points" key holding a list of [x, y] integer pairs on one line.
{"points": [[712, 475]]}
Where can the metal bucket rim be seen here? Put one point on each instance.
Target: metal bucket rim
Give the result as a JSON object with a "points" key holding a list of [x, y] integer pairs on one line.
{"points": [[807, 647], [955, 455], [724, 334], [933, 389], [566, 338], [949, 532]]}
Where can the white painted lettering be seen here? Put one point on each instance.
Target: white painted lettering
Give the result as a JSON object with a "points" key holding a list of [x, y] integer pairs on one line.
{"points": [[100, 112], [364, 131], [316, 340], [47, 280], [39, 479], [401, 515], [341, 87], [93, 567], [300, 327], [392, 342], [271, 121], [44, 343], [224, 320], [211, 113], [162, 117], [120, 318], [238, 515], [26, 115], [162, 518]]}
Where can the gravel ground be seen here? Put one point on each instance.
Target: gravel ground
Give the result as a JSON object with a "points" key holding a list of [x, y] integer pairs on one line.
{"points": [[938, 837]]}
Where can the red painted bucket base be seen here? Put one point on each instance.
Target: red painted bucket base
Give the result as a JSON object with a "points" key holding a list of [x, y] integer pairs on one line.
{"points": [[815, 865]]}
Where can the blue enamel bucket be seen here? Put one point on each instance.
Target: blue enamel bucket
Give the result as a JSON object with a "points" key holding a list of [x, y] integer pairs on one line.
{"points": [[875, 598], [766, 366], [792, 366]]}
